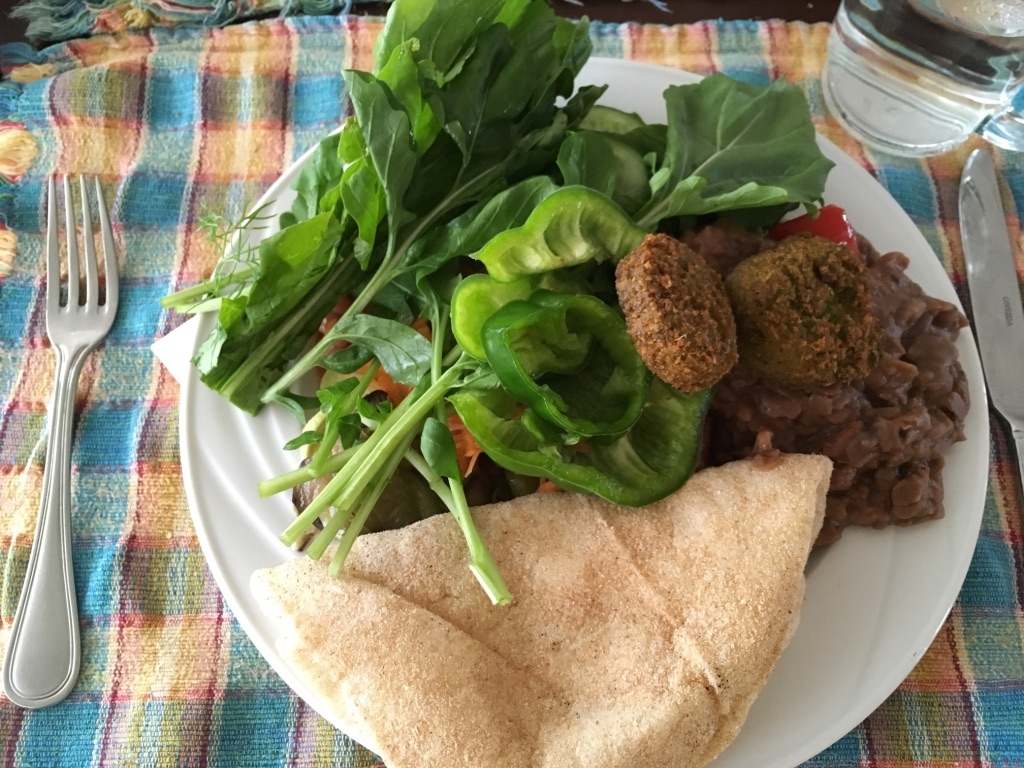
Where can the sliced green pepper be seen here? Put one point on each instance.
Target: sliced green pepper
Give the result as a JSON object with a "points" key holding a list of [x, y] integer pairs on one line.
{"points": [[479, 296], [570, 359], [476, 299], [654, 458], [569, 227]]}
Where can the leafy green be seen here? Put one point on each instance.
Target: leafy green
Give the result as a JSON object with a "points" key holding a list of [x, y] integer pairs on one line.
{"points": [[608, 165], [438, 448], [391, 151], [402, 351], [731, 145], [318, 176], [259, 332], [468, 140]]}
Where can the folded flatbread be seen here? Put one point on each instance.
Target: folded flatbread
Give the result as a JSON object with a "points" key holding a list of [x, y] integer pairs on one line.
{"points": [[638, 637]]}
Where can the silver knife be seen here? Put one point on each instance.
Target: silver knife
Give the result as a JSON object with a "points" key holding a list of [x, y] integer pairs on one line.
{"points": [[995, 292]]}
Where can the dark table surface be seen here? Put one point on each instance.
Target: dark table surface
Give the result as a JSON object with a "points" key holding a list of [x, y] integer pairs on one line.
{"points": [[679, 11]]}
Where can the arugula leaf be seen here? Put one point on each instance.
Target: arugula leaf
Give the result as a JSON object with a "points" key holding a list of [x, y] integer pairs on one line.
{"points": [[359, 190], [402, 75], [470, 231], [438, 448], [347, 360], [316, 178], [392, 301], [607, 165], [387, 131], [341, 424], [443, 29], [309, 437]]}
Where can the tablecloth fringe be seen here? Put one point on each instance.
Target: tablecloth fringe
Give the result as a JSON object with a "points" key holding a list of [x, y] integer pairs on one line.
{"points": [[50, 20], [17, 150]]}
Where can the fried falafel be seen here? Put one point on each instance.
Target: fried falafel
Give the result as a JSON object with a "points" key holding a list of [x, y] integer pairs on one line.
{"points": [[677, 312], [804, 314]]}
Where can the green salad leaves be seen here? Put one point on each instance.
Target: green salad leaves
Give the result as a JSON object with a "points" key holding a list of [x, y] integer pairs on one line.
{"points": [[471, 211]]}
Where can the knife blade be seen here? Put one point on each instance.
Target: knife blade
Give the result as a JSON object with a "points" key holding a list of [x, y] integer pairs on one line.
{"points": [[995, 292]]}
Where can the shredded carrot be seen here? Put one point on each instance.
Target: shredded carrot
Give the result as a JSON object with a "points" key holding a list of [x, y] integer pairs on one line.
{"points": [[382, 382], [466, 447], [546, 486]]}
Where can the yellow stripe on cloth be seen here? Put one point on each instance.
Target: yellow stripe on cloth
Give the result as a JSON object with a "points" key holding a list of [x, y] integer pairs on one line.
{"points": [[8, 248]]}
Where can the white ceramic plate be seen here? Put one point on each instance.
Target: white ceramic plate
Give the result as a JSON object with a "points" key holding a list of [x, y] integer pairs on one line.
{"points": [[874, 601]]}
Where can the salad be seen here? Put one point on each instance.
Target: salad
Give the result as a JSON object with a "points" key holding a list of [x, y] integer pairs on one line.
{"points": [[461, 231]]}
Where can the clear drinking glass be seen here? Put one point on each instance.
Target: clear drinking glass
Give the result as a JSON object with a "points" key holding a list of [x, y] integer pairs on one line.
{"points": [[917, 77]]}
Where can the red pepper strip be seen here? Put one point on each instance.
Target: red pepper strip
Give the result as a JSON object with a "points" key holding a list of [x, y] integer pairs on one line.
{"points": [[830, 223]]}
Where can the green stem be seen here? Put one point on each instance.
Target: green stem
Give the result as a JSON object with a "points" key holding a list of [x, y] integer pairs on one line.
{"points": [[366, 506], [347, 493], [250, 369], [438, 333], [316, 548], [288, 480], [396, 427], [201, 290], [435, 482], [481, 563], [348, 405], [454, 354], [319, 350], [333, 488]]}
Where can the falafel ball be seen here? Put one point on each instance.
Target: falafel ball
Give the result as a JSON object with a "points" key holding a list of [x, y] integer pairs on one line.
{"points": [[804, 314], [677, 312]]}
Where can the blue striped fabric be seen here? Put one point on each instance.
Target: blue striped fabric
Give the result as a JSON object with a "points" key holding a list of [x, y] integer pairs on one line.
{"points": [[171, 119]]}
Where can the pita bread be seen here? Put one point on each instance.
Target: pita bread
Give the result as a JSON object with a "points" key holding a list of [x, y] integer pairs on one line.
{"points": [[637, 636]]}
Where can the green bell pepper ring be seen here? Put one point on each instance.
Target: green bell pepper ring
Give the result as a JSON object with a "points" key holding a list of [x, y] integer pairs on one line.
{"points": [[476, 299], [647, 463], [570, 359], [479, 296], [569, 227]]}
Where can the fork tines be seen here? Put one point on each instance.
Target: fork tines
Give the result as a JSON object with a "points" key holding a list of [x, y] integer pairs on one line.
{"points": [[94, 297]]}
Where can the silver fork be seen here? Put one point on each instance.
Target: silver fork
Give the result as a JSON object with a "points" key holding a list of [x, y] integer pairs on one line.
{"points": [[44, 651]]}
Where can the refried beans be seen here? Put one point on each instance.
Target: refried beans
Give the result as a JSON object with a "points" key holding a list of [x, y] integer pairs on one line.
{"points": [[886, 434]]}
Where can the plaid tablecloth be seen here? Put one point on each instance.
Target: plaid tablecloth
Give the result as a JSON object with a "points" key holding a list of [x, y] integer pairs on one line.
{"points": [[172, 119]]}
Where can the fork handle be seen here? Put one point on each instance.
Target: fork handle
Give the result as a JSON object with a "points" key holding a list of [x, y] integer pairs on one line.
{"points": [[44, 649]]}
